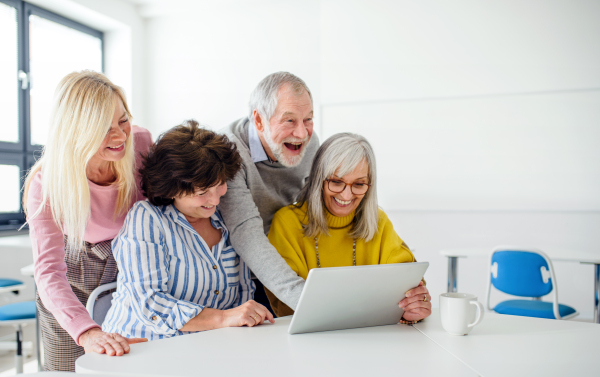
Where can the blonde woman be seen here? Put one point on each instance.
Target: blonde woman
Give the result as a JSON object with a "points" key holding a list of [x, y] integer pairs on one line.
{"points": [[76, 198], [337, 221]]}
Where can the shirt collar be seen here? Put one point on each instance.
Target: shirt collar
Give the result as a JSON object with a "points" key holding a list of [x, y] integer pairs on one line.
{"points": [[179, 218], [257, 152]]}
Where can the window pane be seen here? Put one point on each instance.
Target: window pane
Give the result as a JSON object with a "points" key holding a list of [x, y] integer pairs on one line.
{"points": [[9, 189], [9, 89], [55, 50]]}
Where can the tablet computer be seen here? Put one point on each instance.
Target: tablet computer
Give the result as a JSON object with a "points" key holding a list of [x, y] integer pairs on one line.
{"points": [[339, 298]]}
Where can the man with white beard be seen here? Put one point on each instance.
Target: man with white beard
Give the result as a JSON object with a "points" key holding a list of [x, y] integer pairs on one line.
{"points": [[277, 146]]}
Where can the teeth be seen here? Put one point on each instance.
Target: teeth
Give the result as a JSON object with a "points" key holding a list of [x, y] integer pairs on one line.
{"points": [[207, 207], [117, 147], [342, 202], [295, 143]]}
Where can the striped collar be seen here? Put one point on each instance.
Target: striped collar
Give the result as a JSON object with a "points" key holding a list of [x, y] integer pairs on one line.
{"points": [[177, 217]]}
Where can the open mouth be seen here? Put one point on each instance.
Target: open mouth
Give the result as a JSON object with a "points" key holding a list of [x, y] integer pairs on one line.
{"points": [[118, 148], [208, 207], [293, 146], [342, 203]]}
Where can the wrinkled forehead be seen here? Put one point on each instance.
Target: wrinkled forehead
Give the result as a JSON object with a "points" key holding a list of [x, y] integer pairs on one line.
{"points": [[293, 102]]}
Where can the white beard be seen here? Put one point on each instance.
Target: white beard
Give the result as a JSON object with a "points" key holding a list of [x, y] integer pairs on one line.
{"points": [[278, 149]]}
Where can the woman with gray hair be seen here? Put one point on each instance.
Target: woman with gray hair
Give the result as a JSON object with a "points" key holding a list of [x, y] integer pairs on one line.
{"points": [[337, 222]]}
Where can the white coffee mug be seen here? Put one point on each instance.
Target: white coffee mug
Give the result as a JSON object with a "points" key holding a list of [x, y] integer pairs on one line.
{"points": [[460, 312]]}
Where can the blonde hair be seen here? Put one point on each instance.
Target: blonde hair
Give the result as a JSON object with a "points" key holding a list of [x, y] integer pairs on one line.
{"points": [[83, 109], [341, 154]]}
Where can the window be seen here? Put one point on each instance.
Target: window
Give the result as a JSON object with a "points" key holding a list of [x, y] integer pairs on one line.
{"points": [[37, 49]]}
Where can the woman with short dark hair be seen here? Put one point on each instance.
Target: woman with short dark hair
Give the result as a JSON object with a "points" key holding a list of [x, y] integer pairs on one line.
{"points": [[178, 272]]}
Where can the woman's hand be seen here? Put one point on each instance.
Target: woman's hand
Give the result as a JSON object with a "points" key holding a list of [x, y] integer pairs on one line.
{"points": [[96, 340], [250, 313], [417, 304]]}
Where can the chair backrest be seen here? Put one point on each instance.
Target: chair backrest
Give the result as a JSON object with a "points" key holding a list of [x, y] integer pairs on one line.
{"points": [[520, 273], [98, 307]]}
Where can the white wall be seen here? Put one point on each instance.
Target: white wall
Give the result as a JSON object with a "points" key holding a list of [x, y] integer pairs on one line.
{"points": [[484, 115], [485, 118], [205, 58]]}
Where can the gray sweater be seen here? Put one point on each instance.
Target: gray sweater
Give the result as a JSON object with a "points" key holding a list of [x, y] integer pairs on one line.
{"points": [[253, 196]]}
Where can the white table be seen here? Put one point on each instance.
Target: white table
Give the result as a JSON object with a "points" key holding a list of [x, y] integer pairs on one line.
{"points": [[555, 255], [500, 346], [504, 345], [65, 374], [268, 350], [20, 242], [27, 270]]}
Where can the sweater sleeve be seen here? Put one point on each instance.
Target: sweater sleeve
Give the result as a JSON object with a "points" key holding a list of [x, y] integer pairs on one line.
{"points": [[393, 249], [50, 269], [247, 236]]}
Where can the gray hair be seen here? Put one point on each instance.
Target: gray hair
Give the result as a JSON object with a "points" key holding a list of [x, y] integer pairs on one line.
{"points": [[264, 96], [341, 154]]}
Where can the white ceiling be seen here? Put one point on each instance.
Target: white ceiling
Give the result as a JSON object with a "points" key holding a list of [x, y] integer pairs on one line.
{"points": [[157, 8]]}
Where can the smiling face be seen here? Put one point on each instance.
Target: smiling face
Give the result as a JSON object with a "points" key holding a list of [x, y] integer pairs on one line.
{"points": [[113, 146], [286, 135], [202, 204], [343, 203]]}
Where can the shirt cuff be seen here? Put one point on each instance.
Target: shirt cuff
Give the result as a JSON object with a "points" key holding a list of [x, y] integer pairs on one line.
{"points": [[179, 316], [79, 325]]}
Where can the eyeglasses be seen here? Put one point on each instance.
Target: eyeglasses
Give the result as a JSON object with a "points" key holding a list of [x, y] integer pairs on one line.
{"points": [[338, 186]]}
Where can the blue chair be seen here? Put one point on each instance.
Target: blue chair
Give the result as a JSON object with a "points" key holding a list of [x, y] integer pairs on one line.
{"points": [[18, 315], [525, 272], [11, 285]]}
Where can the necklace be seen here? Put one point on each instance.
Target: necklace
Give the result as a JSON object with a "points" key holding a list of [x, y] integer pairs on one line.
{"points": [[353, 252]]}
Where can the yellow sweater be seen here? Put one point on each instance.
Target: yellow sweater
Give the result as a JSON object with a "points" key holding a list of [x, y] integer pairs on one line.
{"points": [[335, 250]]}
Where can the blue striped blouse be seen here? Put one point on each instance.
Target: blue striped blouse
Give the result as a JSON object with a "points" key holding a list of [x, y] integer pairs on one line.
{"points": [[168, 274]]}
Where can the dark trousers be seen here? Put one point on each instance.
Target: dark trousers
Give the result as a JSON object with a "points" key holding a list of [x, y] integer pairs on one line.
{"points": [[260, 296]]}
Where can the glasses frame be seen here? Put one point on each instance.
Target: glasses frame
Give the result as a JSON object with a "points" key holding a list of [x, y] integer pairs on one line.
{"points": [[347, 184]]}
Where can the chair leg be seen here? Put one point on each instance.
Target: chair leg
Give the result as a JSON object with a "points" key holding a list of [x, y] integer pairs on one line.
{"points": [[19, 355]]}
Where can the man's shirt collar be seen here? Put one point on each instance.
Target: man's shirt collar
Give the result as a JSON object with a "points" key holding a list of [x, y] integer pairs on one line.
{"points": [[257, 152]]}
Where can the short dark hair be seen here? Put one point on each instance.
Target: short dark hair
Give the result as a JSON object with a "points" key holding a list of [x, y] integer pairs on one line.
{"points": [[185, 158]]}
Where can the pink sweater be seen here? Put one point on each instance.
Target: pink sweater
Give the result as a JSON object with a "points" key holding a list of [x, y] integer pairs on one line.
{"points": [[49, 248]]}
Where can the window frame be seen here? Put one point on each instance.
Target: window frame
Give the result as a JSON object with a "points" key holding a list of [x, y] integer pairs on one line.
{"points": [[23, 153]]}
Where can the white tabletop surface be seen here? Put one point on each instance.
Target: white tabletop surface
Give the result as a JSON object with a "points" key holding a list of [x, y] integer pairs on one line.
{"points": [[554, 254], [27, 270], [268, 350], [504, 345], [65, 374]]}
